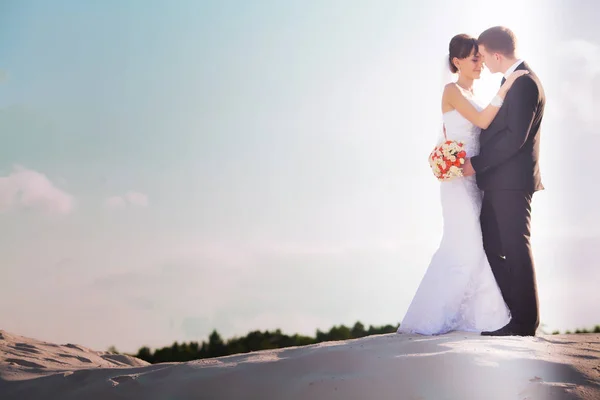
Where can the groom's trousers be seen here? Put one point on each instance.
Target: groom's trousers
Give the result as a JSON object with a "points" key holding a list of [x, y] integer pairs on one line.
{"points": [[505, 224]]}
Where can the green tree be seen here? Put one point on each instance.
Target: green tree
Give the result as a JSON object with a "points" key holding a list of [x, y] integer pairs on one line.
{"points": [[358, 330], [216, 346]]}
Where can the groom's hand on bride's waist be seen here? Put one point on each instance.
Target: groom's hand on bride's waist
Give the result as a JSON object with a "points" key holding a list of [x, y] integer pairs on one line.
{"points": [[467, 168]]}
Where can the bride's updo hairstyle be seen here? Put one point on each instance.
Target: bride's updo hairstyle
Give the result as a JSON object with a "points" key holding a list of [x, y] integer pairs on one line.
{"points": [[461, 47]]}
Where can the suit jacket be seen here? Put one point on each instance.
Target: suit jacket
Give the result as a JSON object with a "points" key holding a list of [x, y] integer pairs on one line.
{"points": [[509, 148]]}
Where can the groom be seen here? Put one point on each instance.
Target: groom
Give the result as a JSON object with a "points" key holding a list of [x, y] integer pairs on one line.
{"points": [[507, 171]]}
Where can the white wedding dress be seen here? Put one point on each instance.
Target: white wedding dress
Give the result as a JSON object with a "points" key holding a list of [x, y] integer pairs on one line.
{"points": [[458, 291]]}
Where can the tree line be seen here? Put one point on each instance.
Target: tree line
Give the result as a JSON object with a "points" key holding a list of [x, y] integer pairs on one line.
{"points": [[216, 346], [253, 341], [596, 329]]}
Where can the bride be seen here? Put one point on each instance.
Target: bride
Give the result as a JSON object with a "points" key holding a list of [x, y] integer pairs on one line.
{"points": [[458, 291]]}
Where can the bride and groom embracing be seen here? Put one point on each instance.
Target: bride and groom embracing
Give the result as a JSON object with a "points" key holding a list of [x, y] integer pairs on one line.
{"points": [[482, 277]]}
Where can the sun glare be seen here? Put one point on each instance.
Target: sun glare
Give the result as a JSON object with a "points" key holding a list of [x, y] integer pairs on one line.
{"points": [[517, 16]]}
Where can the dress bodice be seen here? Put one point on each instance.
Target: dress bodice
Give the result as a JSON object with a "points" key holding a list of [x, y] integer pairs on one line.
{"points": [[460, 128]]}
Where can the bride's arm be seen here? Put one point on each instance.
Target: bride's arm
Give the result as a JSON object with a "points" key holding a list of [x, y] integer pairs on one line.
{"points": [[453, 96]]}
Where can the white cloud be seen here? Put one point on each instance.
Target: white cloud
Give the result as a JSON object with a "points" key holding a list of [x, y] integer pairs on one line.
{"points": [[115, 202], [28, 189], [579, 74], [135, 199]]}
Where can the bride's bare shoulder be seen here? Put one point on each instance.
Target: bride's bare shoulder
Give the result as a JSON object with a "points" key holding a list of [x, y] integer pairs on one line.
{"points": [[450, 85], [452, 94], [451, 89], [448, 96]]}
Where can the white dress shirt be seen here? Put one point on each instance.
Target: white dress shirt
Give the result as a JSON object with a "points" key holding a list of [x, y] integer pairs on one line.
{"points": [[512, 68]]}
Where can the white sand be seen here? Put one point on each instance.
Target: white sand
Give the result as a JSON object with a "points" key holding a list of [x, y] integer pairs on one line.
{"points": [[454, 366]]}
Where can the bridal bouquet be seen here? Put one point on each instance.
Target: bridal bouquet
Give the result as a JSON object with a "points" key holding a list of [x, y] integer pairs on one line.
{"points": [[446, 159]]}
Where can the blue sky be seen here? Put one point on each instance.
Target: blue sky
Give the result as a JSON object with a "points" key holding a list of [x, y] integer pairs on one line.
{"points": [[237, 165]]}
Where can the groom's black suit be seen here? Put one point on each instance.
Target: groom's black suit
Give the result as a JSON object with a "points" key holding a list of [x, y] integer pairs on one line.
{"points": [[507, 171]]}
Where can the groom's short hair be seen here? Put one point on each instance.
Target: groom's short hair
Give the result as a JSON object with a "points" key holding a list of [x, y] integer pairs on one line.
{"points": [[499, 39]]}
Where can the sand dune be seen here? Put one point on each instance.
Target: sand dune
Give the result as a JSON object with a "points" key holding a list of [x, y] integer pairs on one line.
{"points": [[24, 358], [454, 366]]}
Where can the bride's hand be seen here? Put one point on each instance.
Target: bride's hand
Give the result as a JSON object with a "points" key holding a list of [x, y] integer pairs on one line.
{"points": [[512, 78]]}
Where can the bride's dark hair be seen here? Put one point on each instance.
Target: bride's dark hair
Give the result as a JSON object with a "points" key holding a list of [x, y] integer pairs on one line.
{"points": [[461, 47]]}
